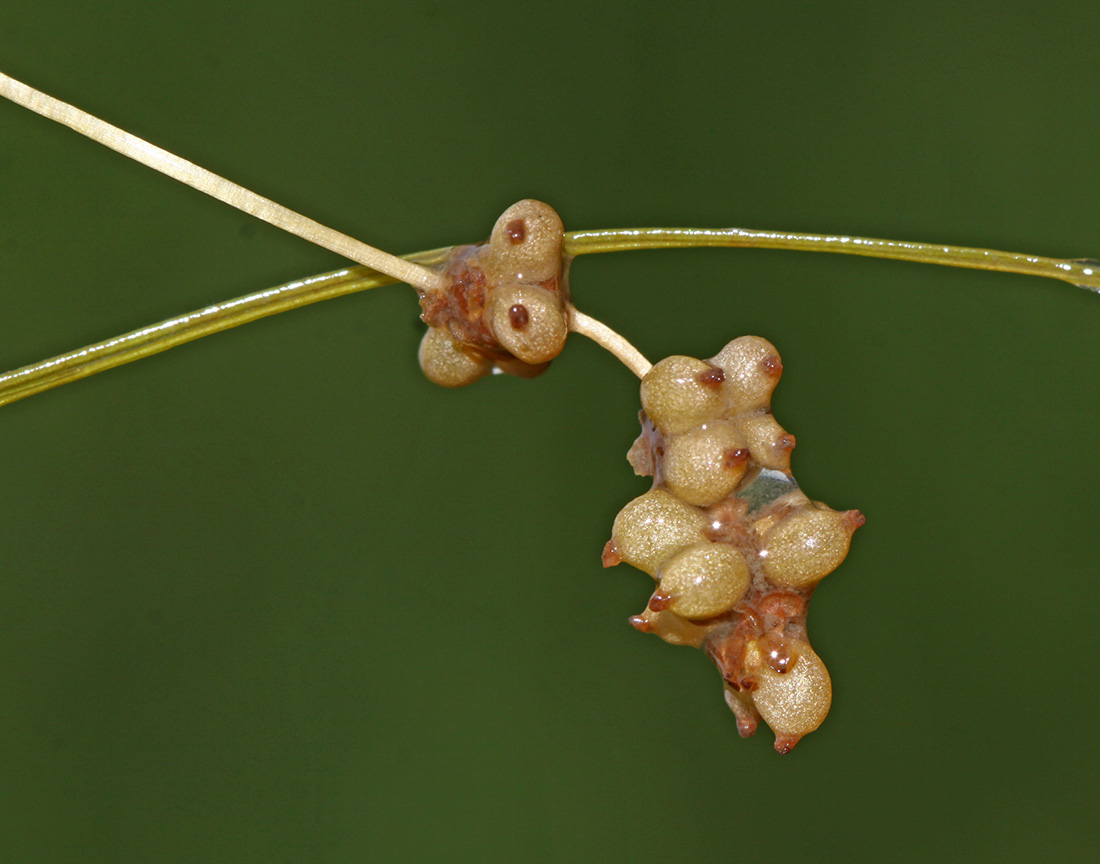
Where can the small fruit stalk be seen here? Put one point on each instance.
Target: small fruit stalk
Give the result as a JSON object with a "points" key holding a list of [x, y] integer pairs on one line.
{"points": [[734, 544]]}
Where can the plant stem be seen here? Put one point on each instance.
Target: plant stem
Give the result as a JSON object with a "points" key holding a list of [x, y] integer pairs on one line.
{"points": [[1084, 273], [155, 338], [217, 186], [232, 313], [607, 338]]}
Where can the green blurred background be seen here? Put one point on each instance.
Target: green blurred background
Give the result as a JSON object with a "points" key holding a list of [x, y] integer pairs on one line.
{"points": [[273, 597]]}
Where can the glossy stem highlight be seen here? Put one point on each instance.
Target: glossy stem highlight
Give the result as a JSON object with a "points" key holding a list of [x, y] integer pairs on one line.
{"points": [[155, 338], [167, 334], [1082, 273]]}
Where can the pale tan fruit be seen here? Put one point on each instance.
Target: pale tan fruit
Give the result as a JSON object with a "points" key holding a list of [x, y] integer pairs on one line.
{"points": [[447, 363], [752, 368], [769, 443], [641, 457], [806, 546], [528, 322], [653, 527], [792, 703], [510, 365], [680, 393], [705, 464], [674, 629], [736, 546], [704, 580], [525, 245]]}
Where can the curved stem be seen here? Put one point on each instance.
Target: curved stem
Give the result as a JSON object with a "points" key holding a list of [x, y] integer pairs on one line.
{"points": [[155, 338], [607, 338], [383, 268], [1084, 273], [232, 313]]}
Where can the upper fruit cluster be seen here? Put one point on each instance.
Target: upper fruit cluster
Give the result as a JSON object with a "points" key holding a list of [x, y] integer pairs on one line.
{"points": [[735, 546], [504, 303]]}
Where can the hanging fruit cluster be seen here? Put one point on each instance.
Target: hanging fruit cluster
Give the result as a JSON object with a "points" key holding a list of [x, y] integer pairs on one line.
{"points": [[735, 546], [504, 305]]}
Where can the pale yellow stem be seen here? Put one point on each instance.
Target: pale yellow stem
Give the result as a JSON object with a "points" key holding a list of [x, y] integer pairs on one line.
{"points": [[216, 186], [607, 338]]}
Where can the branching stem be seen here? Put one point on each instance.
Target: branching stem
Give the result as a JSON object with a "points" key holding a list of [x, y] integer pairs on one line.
{"points": [[607, 338], [381, 268]]}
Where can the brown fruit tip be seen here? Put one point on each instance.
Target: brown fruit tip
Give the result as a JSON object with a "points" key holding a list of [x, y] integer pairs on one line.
{"points": [[660, 601], [746, 728], [732, 458], [518, 316], [516, 231], [785, 743], [786, 441], [853, 519], [772, 366], [712, 378], [611, 555], [640, 624]]}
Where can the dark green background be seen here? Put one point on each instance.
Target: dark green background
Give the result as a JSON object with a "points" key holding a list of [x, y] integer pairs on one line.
{"points": [[273, 597]]}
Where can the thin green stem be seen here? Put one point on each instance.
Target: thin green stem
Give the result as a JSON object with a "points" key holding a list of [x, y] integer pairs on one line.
{"points": [[155, 338], [414, 268], [232, 313], [1084, 273]]}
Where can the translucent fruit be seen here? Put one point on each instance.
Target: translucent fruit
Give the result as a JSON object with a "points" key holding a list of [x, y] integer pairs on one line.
{"points": [[752, 368], [526, 242], [769, 443], [807, 546], [795, 702], [680, 393], [448, 364], [705, 464], [654, 526], [704, 580], [736, 546], [528, 322]]}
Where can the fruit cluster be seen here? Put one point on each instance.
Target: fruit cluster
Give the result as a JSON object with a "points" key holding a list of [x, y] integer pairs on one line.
{"points": [[734, 544], [504, 305]]}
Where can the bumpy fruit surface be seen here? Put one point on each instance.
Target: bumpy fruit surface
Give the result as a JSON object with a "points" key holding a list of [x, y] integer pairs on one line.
{"points": [[653, 527], [505, 305], [735, 546]]}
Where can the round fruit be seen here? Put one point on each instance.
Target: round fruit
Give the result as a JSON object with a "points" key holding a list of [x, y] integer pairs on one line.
{"points": [[704, 465], [806, 547], [752, 368], [654, 526], [525, 245], [769, 443], [528, 322], [447, 363], [795, 702], [704, 580], [680, 393]]}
